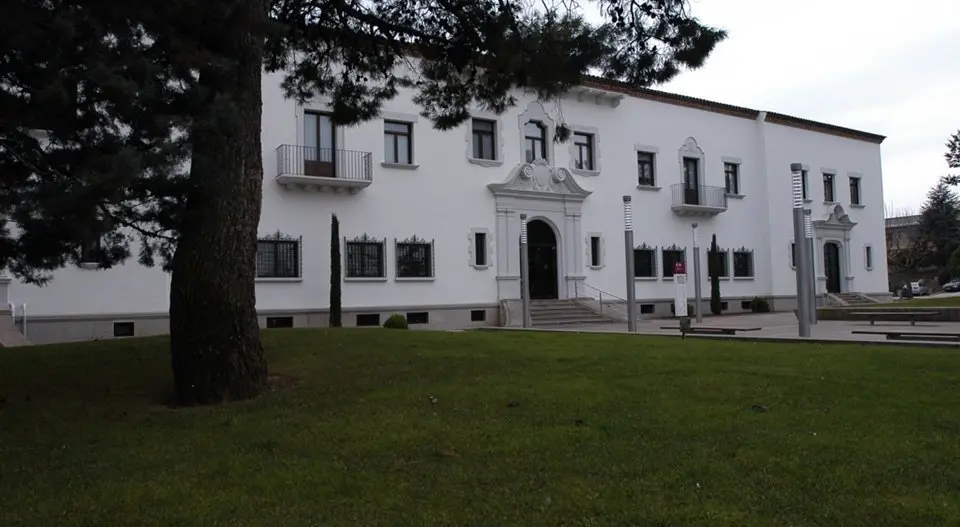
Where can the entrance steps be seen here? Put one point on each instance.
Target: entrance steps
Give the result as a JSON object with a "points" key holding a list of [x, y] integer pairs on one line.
{"points": [[10, 335], [856, 299], [561, 312]]}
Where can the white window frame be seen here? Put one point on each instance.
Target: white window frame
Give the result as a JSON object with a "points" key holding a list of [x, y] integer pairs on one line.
{"points": [[471, 248], [573, 151], [733, 161], [601, 246], [497, 139], [655, 152], [411, 121]]}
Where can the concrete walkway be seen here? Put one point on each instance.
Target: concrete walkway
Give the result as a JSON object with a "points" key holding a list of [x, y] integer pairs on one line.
{"points": [[774, 326]]}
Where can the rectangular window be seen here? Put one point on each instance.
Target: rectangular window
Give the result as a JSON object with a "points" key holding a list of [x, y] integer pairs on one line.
{"points": [[583, 144], [793, 254], [480, 249], [535, 141], [418, 317], [123, 329], [414, 259], [397, 143], [279, 322], [278, 258], [645, 172], [803, 177], [868, 256], [365, 259], [828, 188], [742, 264], [484, 139], [595, 251], [720, 262], [90, 249], [670, 258], [647, 309], [855, 191], [478, 315], [368, 320], [731, 172], [645, 262]]}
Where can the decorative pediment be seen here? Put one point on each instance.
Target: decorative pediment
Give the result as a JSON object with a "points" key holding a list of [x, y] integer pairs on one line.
{"points": [[837, 219], [691, 147], [540, 180]]}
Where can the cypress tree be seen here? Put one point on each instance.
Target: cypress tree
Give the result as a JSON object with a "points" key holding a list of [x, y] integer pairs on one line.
{"points": [[715, 267], [336, 315]]}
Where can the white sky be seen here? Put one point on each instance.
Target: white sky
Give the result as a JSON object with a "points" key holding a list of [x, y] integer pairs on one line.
{"points": [[875, 65]]}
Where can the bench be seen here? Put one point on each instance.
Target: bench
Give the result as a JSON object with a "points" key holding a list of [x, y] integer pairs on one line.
{"points": [[930, 336], [706, 330], [891, 315]]}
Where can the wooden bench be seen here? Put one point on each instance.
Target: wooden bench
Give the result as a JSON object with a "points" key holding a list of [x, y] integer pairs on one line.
{"points": [[929, 336], [892, 315], [706, 330]]}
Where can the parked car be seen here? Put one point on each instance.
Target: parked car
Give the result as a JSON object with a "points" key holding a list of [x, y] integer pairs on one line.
{"points": [[952, 286], [919, 289]]}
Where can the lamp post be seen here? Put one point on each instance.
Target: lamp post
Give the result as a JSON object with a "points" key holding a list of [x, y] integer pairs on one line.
{"points": [[696, 275], [628, 251], [803, 260], [811, 275], [524, 272]]}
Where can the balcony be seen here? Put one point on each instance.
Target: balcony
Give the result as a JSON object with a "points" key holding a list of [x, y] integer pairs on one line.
{"points": [[698, 201], [324, 169]]}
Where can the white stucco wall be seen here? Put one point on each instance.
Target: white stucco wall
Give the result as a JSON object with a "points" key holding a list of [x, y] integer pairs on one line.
{"points": [[446, 196]]}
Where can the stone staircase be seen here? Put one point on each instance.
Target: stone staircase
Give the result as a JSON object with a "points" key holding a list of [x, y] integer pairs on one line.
{"points": [[562, 312], [856, 299]]}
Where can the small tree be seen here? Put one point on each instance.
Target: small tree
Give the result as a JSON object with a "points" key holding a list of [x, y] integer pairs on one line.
{"points": [[336, 315], [713, 264]]}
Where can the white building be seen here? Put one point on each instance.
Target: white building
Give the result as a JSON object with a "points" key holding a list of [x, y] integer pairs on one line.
{"points": [[430, 220]]}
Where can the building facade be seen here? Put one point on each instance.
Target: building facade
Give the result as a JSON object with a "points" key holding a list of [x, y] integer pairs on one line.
{"points": [[430, 220]]}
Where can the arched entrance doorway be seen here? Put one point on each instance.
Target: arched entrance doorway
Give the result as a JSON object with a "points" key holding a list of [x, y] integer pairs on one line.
{"points": [[831, 266], [542, 262]]}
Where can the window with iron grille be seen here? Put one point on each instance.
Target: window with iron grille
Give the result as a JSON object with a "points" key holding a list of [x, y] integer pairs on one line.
{"points": [[671, 256], [278, 256], [365, 257], [645, 172], [645, 262], [583, 153], [743, 263], [414, 258]]}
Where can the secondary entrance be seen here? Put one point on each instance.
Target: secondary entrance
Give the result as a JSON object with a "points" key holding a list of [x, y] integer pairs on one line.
{"points": [[542, 263], [831, 266]]}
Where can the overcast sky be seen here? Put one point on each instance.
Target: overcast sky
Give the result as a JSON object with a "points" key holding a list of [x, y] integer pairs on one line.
{"points": [[880, 66]]}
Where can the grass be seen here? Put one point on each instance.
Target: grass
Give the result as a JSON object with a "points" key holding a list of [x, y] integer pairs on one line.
{"points": [[393, 428], [949, 301]]}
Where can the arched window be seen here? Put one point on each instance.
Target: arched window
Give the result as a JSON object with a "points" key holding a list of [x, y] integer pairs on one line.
{"points": [[535, 140]]}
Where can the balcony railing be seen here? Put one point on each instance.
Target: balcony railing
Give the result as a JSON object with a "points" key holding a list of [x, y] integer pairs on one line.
{"points": [[698, 200], [324, 167]]}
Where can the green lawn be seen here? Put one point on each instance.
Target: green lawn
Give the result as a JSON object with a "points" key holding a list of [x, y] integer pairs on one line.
{"points": [[950, 301], [526, 430]]}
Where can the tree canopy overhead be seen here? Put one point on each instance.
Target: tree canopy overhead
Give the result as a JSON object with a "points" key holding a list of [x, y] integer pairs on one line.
{"points": [[150, 113]]}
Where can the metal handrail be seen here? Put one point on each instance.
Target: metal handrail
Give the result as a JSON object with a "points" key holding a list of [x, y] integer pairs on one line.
{"points": [[335, 162], [602, 302]]}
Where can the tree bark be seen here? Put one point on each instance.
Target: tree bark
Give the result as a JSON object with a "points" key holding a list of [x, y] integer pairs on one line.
{"points": [[214, 333]]}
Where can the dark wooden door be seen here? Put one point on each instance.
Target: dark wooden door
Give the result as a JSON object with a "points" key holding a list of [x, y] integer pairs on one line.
{"points": [[320, 145], [831, 266], [691, 181], [542, 262]]}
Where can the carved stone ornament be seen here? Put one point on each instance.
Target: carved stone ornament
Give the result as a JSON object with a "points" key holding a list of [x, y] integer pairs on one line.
{"points": [[539, 177]]}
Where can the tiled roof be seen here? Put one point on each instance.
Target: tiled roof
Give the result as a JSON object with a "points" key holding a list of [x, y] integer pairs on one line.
{"points": [[729, 109]]}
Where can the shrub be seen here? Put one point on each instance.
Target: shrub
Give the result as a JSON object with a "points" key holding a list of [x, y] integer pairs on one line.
{"points": [[714, 265], [759, 305], [396, 321]]}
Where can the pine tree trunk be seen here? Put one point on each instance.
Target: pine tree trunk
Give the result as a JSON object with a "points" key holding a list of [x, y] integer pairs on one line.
{"points": [[214, 334], [336, 316]]}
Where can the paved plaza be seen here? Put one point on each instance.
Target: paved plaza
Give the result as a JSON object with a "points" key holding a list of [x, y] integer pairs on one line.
{"points": [[775, 326]]}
